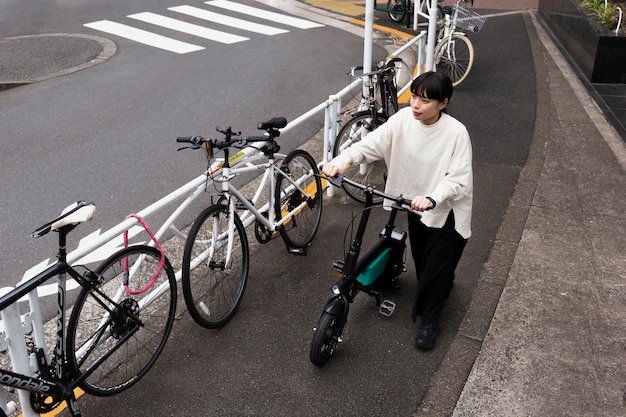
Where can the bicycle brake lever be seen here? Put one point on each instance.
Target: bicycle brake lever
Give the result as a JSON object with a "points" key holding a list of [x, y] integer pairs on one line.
{"points": [[336, 180]]}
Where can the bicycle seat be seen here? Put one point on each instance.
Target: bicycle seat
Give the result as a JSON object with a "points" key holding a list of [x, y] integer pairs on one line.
{"points": [[73, 214], [274, 123]]}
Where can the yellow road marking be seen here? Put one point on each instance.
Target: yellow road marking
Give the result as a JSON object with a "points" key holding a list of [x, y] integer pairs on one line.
{"points": [[77, 392], [384, 29], [345, 7]]}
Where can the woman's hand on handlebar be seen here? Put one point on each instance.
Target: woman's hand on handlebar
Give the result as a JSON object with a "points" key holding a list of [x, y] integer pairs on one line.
{"points": [[420, 203], [330, 170]]}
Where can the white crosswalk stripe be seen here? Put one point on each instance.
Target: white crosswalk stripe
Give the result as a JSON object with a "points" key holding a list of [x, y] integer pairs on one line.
{"points": [[189, 28], [264, 14], [215, 35], [227, 20], [143, 36]]}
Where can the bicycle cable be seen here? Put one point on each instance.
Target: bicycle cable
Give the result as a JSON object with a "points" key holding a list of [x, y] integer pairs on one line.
{"points": [[161, 259]]}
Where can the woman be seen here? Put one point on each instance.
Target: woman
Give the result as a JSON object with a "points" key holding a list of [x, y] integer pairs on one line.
{"points": [[428, 154]]}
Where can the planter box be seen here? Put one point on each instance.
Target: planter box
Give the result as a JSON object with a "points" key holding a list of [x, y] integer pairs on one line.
{"points": [[599, 52]]}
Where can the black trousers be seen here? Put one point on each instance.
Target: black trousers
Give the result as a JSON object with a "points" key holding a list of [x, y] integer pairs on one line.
{"points": [[436, 253]]}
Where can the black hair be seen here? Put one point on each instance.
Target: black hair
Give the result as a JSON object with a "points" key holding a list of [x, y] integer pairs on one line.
{"points": [[432, 85]]}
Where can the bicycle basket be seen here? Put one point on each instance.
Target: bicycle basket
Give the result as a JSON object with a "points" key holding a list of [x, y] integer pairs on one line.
{"points": [[468, 19]]}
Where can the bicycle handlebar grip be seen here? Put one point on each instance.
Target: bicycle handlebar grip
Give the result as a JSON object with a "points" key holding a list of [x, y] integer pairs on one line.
{"points": [[196, 141], [354, 69]]}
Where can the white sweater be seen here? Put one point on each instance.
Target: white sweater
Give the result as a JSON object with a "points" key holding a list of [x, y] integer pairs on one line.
{"points": [[423, 160]]}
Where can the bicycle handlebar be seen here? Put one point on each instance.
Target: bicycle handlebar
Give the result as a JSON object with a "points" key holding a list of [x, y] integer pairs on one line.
{"points": [[235, 139], [399, 200], [383, 66]]}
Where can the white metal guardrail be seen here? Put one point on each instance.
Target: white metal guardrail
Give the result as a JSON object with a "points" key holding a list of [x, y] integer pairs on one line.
{"points": [[98, 246]]}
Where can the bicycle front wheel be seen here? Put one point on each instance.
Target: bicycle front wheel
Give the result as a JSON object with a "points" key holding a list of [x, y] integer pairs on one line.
{"points": [[454, 56], [326, 337], [298, 198], [215, 266], [115, 336], [371, 174]]}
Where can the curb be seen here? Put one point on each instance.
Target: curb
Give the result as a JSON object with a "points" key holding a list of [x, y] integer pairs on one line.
{"points": [[109, 49]]}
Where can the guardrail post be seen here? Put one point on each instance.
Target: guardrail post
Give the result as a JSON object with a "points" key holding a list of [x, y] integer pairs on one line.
{"points": [[7, 407], [17, 349], [331, 122], [421, 48], [432, 34], [37, 320]]}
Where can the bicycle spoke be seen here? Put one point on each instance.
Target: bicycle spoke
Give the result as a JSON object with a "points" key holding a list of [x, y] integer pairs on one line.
{"points": [[215, 266], [299, 199], [114, 337]]}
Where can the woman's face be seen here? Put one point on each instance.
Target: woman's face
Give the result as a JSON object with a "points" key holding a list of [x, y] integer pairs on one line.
{"points": [[427, 110]]}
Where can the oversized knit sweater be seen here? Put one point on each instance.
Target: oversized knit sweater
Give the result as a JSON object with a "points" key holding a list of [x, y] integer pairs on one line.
{"points": [[423, 160]]}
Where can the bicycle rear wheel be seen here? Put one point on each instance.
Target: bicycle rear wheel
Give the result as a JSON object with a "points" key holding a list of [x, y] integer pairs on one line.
{"points": [[114, 337], [304, 206], [396, 10], [215, 271], [454, 56], [371, 174]]}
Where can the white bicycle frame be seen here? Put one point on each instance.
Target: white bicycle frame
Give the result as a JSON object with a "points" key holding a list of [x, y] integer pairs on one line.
{"points": [[252, 213]]}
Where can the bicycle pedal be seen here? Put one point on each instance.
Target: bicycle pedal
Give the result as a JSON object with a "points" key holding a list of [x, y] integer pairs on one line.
{"points": [[387, 307]]}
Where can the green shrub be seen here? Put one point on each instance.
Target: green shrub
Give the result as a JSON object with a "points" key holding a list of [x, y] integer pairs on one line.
{"points": [[606, 11]]}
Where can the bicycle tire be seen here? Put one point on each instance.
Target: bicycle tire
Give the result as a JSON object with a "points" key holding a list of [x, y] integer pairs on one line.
{"points": [[299, 231], [454, 56], [124, 350], [326, 337], [353, 131], [396, 9], [213, 289]]}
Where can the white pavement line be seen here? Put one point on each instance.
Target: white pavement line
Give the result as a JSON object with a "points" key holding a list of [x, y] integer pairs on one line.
{"points": [[143, 36], [189, 28], [264, 14], [227, 20]]}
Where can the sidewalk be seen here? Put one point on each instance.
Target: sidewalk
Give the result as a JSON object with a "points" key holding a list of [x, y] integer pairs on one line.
{"points": [[556, 344]]}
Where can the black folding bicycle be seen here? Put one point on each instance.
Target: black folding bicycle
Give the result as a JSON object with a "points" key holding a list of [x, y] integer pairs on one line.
{"points": [[372, 273]]}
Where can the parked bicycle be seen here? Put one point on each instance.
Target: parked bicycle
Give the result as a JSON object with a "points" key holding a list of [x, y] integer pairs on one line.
{"points": [[372, 273], [118, 326], [454, 53], [381, 102], [216, 256], [398, 10]]}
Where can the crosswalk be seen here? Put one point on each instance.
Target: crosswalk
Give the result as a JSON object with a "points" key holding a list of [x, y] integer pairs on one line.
{"points": [[211, 15]]}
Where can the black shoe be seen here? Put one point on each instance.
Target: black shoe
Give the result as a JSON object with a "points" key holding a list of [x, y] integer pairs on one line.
{"points": [[427, 335]]}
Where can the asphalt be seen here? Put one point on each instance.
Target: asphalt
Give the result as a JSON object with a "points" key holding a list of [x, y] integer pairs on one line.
{"points": [[543, 334]]}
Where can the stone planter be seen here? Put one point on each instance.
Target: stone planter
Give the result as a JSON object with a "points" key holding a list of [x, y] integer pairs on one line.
{"points": [[599, 52]]}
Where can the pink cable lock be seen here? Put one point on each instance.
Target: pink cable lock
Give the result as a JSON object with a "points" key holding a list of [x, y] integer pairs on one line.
{"points": [[161, 260]]}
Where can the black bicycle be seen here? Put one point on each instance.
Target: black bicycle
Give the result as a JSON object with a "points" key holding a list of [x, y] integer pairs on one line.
{"points": [[382, 102], [118, 327], [375, 272]]}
